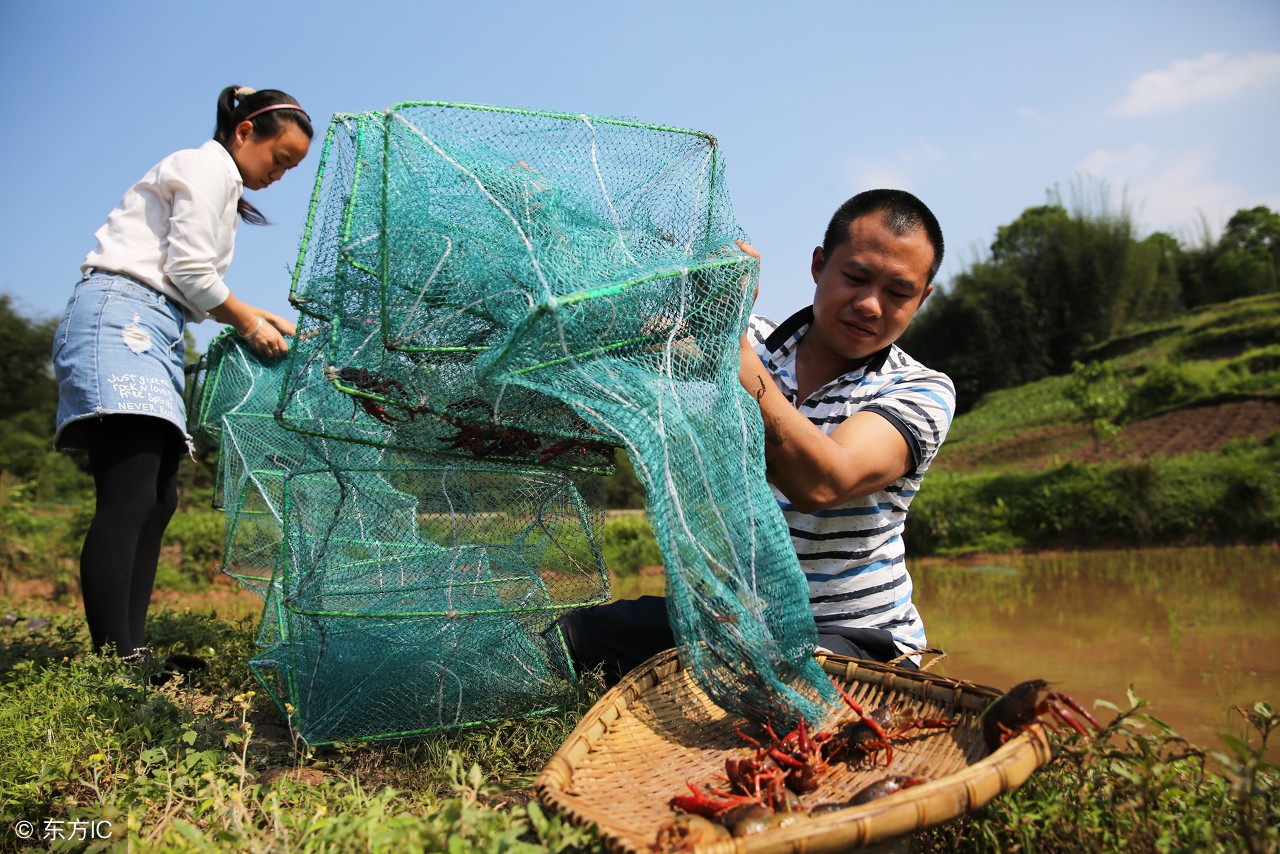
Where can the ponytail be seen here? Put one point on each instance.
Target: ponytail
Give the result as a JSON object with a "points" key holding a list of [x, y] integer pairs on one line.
{"points": [[235, 104]]}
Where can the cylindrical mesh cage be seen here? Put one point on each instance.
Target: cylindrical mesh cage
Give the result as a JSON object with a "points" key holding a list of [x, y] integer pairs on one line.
{"points": [[493, 301]]}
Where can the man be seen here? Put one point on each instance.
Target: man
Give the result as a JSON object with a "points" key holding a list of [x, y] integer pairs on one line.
{"points": [[851, 425]]}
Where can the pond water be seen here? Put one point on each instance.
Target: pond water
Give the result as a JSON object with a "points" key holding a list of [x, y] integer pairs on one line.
{"points": [[1193, 630]]}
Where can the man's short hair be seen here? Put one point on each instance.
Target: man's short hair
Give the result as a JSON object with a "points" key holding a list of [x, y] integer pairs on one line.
{"points": [[903, 214]]}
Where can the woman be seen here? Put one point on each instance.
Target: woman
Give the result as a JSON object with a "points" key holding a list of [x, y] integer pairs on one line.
{"points": [[118, 352]]}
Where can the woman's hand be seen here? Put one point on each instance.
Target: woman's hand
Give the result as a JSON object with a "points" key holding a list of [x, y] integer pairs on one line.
{"points": [[286, 327], [261, 330], [267, 340]]}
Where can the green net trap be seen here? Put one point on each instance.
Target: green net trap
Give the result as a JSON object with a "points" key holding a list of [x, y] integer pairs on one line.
{"points": [[492, 301]]}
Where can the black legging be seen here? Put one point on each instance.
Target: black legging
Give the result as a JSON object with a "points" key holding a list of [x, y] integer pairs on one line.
{"points": [[135, 474]]}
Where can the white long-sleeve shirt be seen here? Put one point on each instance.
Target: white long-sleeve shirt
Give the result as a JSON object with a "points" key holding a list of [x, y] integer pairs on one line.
{"points": [[175, 230]]}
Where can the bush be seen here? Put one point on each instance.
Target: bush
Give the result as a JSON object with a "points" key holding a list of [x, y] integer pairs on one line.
{"points": [[622, 490], [1170, 386], [1231, 495], [1219, 338], [1260, 361], [201, 537], [628, 544], [1138, 786]]}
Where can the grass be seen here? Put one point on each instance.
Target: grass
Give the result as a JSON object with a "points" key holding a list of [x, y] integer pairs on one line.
{"points": [[175, 768], [212, 767], [1226, 496]]}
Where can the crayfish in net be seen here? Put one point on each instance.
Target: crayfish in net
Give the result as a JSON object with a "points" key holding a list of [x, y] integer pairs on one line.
{"points": [[1027, 703], [576, 447], [479, 439], [366, 380]]}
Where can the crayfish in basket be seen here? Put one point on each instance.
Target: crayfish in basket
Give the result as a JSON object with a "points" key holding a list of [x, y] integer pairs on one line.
{"points": [[873, 791], [1026, 703], [764, 789], [366, 380], [878, 729]]}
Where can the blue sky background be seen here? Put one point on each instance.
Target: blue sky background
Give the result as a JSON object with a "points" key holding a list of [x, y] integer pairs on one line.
{"points": [[977, 108]]}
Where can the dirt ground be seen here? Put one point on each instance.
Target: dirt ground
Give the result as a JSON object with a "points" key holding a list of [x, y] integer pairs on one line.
{"points": [[1201, 429], [225, 597], [1205, 428]]}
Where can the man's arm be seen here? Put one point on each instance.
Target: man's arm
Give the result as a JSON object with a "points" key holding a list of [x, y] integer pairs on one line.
{"points": [[814, 470]]}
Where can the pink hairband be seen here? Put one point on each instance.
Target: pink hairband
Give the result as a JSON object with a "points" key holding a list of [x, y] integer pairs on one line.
{"points": [[276, 107]]}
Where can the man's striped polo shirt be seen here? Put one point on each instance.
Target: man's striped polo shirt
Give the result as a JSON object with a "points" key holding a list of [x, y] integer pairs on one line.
{"points": [[853, 554]]}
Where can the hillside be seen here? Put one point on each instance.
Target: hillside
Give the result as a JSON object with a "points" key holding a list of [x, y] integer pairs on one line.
{"points": [[1169, 434], [1192, 383]]}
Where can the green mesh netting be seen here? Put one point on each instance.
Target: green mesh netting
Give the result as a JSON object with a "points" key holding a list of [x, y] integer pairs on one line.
{"points": [[404, 592], [492, 301]]}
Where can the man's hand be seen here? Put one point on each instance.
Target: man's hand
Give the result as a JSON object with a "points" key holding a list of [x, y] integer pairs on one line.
{"points": [[750, 250]]}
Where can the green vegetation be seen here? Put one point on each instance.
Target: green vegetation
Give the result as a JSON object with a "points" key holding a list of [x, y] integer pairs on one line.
{"points": [[1225, 496], [1137, 787], [174, 768], [628, 545]]}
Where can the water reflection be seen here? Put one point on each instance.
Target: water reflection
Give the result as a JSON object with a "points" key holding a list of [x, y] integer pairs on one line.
{"points": [[1194, 630]]}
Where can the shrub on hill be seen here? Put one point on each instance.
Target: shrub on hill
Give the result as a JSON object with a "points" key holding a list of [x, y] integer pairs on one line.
{"points": [[1230, 495], [628, 544]]}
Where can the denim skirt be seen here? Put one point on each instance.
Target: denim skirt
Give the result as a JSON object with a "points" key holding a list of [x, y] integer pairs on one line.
{"points": [[118, 350]]}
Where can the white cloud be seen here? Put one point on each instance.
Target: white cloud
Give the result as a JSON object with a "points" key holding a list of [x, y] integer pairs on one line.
{"points": [[894, 171], [1169, 190], [1214, 76], [1107, 164]]}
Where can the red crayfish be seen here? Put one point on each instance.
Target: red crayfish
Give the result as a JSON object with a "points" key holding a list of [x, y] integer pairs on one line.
{"points": [[761, 785], [763, 789], [367, 381], [879, 729], [1014, 711], [485, 440], [576, 447]]}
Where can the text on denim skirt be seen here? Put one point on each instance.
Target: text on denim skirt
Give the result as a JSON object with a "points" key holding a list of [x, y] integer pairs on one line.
{"points": [[118, 350]]}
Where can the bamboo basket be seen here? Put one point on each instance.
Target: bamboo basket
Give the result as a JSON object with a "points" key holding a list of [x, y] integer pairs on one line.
{"points": [[654, 730]]}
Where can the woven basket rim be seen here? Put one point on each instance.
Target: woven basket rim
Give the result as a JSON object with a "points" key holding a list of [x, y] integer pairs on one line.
{"points": [[909, 810]]}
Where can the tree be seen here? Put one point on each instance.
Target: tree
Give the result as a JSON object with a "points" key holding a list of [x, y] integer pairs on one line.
{"points": [[26, 373], [1248, 259], [1244, 261], [29, 404], [1057, 281], [1099, 396]]}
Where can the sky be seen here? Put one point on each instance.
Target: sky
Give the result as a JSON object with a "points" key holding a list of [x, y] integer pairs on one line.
{"points": [[978, 108]]}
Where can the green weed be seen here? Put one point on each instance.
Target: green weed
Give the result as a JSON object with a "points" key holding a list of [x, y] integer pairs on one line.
{"points": [[1230, 495], [627, 544], [1138, 786]]}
